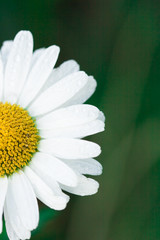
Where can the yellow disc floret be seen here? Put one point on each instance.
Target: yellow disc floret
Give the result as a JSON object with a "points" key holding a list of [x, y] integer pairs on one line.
{"points": [[18, 138]]}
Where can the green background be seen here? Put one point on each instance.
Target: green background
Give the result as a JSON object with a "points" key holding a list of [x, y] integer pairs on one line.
{"points": [[118, 42]]}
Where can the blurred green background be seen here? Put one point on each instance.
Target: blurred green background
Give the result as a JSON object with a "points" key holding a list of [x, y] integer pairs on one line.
{"points": [[117, 41]]}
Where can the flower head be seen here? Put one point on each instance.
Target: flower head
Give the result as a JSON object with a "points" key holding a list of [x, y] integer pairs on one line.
{"points": [[42, 121]]}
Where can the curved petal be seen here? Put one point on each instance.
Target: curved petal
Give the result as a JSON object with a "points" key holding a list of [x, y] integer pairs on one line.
{"points": [[44, 193], [54, 168], [10, 232], [21, 192], [3, 191], [101, 116], [85, 166], [77, 131], [50, 181], [65, 69], [17, 66], [84, 94], [5, 50], [68, 117], [58, 94], [86, 186], [38, 75], [36, 55], [16, 228], [69, 148]]}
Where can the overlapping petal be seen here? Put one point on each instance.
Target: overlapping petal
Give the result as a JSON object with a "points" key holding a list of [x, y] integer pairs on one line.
{"points": [[86, 186], [85, 166], [54, 97], [76, 121], [69, 148], [38, 75], [44, 192], [5, 50], [22, 196], [17, 66], [59, 73], [58, 94], [54, 168], [14, 225]]}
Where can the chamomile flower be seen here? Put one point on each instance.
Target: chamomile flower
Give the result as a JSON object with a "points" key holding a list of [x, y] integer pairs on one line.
{"points": [[42, 121]]}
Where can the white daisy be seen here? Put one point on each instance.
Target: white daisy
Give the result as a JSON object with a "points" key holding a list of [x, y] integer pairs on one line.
{"points": [[42, 121]]}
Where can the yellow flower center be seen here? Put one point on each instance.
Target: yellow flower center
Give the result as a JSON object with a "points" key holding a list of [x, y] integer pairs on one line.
{"points": [[18, 138]]}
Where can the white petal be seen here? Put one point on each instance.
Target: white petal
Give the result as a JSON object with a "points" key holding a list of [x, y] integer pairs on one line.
{"points": [[13, 219], [10, 231], [1, 78], [44, 192], [54, 168], [5, 50], [86, 186], [17, 65], [58, 94], [3, 191], [78, 131], [69, 148], [36, 55], [38, 75], [85, 166], [25, 200], [69, 116], [101, 116], [62, 71], [84, 94], [50, 181]]}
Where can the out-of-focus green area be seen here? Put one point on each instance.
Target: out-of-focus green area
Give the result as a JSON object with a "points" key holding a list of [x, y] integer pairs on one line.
{"points": [[117, 41]]}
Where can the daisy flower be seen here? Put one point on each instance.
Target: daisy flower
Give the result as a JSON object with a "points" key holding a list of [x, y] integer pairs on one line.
{"points": [[42, 121]]}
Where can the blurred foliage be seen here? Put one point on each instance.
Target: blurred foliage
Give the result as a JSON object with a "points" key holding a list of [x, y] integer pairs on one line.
{"points": [[118, 41]]}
